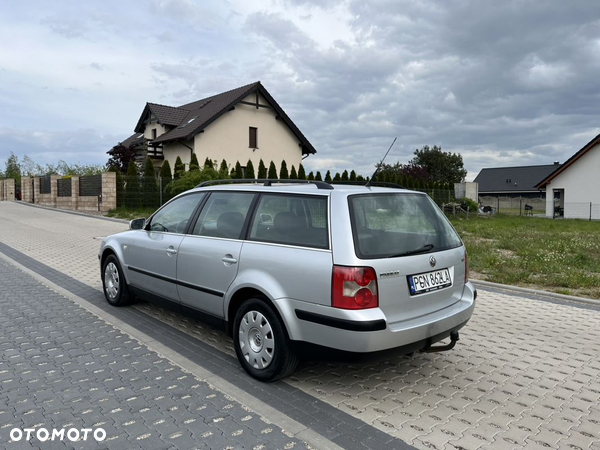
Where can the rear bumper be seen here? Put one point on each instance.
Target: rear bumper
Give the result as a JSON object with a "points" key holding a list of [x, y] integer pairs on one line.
{"points": [[368, 330]]}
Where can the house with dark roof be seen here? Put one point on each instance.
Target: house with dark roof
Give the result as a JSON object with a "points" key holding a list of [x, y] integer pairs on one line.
{"points": [[513, 181], [238, 125], [573, 189]]}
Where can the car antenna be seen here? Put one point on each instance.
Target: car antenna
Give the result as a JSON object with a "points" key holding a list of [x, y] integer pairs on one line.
{"points": [[380, 163]]}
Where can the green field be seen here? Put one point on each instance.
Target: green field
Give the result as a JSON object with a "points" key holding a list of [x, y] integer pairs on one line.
{"points": [[561, 256]]}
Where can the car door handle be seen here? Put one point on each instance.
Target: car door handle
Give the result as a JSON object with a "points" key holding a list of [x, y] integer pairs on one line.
{"points": [[228, 259], [171, 251]]}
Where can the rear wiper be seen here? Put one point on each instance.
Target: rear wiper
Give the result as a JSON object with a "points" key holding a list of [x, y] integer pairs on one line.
{"points": [[424, 249]]}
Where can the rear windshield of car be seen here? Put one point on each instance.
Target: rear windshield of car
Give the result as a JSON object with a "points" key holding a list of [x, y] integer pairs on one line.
{"points": [[395, 225]]}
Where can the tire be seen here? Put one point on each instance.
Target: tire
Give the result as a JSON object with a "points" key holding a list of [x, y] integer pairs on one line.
{"points": [[261, 342], [114, 286]]}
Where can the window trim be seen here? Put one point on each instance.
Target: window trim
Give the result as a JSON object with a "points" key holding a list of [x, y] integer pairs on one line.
{"points": [[259, 197], [255, 137]]}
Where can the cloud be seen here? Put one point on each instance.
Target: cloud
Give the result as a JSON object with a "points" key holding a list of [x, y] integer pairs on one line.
{"points": [[502, 83], [68, 28], [82, 146]]}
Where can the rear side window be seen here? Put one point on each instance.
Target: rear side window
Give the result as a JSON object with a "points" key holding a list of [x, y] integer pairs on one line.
{"points": [[395, 225], [224, 215], [292, 220]]}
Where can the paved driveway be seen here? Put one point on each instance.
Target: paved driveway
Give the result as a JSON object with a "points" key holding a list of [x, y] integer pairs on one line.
{"points": [[525, 374]]}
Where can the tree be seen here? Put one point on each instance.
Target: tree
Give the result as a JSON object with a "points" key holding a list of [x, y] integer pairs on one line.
{"points": [[345, 176], [239, 173], [13, 168], [283, 172], [250, 170], [194, 164], [149, 187], [179, 169], [272, 171], [293, 174], [311, 176], [232, 174], [442, 166], [120, 157], [352, 176], [223, 170], [165, 173], [337, 177], [262, 170], [132, 188], [301, 172], [318, 176], [328, 176], [208, 163]]}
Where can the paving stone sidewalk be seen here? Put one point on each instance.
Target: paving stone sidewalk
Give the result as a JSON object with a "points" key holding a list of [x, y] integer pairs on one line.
{"points": [[63, 367]]}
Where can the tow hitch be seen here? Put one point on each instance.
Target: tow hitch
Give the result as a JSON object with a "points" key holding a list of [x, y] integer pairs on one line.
{"points": [[443, 348]]}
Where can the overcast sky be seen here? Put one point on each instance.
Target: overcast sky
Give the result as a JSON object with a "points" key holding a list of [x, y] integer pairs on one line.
{"points": [[501, 82]]}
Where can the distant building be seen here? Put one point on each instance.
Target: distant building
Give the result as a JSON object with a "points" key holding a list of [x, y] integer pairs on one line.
{"points": [[518, 181], [238, 125], [574, 187]]}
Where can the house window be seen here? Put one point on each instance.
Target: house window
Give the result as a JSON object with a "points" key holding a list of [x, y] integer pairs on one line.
{"points": [[253, 137], [153, 133]]}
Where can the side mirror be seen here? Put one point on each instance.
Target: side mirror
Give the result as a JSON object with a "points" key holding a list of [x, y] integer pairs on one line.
{"points": [[137, 224]]}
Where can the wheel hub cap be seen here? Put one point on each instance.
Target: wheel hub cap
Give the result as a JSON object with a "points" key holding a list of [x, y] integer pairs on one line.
{"points": [[256, 340], [111, 280]]}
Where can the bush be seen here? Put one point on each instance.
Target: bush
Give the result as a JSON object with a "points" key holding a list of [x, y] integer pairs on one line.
{"points": [[468, 205], [190, 180]]}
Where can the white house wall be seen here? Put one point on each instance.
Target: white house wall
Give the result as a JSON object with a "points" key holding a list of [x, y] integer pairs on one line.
{"points": [[581, 184], [171, 150], [153, 126], [228, 137]]}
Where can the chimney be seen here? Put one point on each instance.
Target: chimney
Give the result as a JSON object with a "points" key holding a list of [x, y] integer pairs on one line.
{"points": [[556, 163]]}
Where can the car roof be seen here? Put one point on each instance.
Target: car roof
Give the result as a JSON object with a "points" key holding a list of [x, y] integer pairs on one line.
{"points": [[301, 188]]}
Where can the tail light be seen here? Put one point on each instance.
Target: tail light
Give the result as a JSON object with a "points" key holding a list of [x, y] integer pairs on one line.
{"points": [[354, 288], [466, 267]]}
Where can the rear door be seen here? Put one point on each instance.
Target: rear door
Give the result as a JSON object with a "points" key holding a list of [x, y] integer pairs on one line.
{"points": [[208, 258], [151, 255], [418, 257]]}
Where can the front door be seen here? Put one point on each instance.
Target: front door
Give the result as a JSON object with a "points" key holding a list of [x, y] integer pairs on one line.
{"points": [[208, 257], [151, 255]]}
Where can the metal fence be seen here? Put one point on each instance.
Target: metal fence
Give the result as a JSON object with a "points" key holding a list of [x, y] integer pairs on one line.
{"points": [[45, 185], [520, 206], [64, 187], [90, 186], [577, 210], [142, 192]]}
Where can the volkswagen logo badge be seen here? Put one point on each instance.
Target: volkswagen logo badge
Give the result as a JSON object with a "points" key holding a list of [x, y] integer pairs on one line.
{"points": [[432, 261]]}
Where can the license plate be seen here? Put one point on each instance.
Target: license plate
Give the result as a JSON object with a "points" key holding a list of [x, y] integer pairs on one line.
{"points": [[430, 281]]}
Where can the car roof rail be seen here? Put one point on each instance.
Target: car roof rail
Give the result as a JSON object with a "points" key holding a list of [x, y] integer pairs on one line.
{"points": [[266, 182], [373, 183]]}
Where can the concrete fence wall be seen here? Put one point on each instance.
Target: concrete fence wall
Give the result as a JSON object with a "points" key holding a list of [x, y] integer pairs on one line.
{"points": [[7, 189], [30, 189]]}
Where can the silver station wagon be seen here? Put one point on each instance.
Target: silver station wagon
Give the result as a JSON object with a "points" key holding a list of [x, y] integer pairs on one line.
{"points": [[353, 268]]}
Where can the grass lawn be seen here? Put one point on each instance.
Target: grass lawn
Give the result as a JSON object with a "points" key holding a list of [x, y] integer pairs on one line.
{"points": [[555, 255], [130, 214]]}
